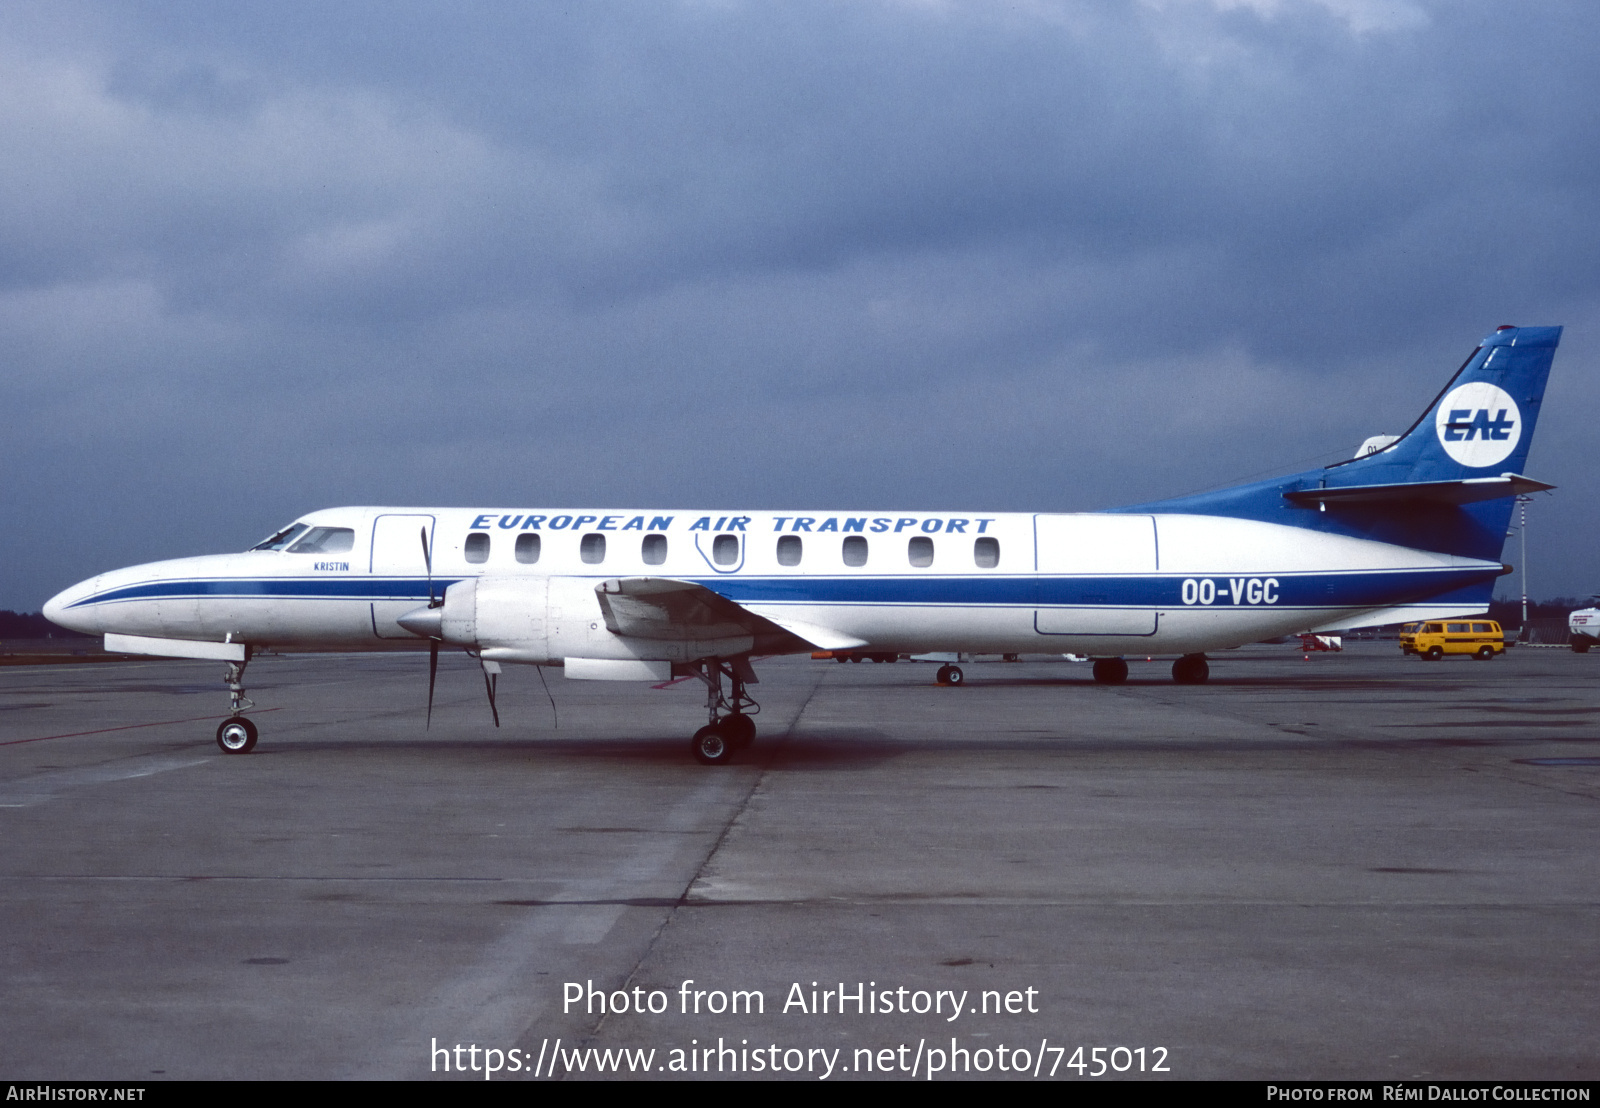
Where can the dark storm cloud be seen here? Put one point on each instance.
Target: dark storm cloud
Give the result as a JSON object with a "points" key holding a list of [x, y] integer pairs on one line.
{"points": [[942, 254]]}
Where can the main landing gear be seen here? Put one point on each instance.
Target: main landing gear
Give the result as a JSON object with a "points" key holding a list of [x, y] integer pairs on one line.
{"points": [[949, 675], [1110, 671], [237, 735], [732, 726], [1191, 669]]}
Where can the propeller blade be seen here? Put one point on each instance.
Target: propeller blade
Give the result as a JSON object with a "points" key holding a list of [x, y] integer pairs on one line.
{"points": [[433, 672], [427, 560], [491, 678]]}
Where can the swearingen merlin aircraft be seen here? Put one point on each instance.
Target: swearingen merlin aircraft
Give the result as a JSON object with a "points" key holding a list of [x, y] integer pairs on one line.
{"points": [[1412, 530]]}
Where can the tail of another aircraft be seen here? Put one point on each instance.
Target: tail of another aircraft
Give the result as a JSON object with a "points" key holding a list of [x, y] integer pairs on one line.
{"points": [[1448, 484]]}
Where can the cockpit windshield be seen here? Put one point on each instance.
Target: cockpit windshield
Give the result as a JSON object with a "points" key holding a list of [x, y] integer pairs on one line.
{"points": [[325, 540], [282, 538]]}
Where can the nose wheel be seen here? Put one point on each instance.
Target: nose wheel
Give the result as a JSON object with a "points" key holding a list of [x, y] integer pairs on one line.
{"points": [[237, 735]]}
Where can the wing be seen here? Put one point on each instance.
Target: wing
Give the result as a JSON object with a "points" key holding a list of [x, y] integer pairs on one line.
{"points": [[663, 608]]}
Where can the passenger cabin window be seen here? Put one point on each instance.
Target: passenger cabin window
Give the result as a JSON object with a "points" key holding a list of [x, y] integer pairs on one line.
{"points": [[855, 550], [725, 550], [477, 548], [1456, 628], [281, 539], [920, 551], [592, 549], [986, 552], [325, 540], [789, 550], [654, 550], [528, 547]]}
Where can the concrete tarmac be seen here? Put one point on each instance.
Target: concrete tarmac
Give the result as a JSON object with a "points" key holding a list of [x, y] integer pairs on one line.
{"points": [[1353, 866]]}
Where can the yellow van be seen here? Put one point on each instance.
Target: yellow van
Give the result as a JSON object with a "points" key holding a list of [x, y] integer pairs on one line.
{"points": [[1482, 638]]}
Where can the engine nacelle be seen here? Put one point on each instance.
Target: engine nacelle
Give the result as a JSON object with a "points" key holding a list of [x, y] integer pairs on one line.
{"points": [[505, 612], [545, 620]]}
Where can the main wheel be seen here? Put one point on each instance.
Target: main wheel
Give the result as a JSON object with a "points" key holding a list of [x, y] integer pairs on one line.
{"points": [[1579, 647], [711, 746], [236, 735], [740, 729], [1485, 654], [1110, 671], [954, 676], [1191, 669], [1434, 653]]}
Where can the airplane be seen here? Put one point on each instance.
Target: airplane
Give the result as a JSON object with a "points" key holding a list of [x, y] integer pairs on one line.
{"points": [[1409, 529]]}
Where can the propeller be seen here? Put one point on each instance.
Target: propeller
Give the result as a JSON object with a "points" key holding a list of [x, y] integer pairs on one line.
{"points": [[427, 560], [423, 623], [433, 643], [433, 673], [491, 678]]}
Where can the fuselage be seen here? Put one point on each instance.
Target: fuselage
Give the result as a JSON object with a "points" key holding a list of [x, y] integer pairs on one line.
{"points": [[1102, 584]]}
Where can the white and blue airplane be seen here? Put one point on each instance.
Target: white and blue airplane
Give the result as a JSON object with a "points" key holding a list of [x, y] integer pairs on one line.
{"points": [[1411, 530]]}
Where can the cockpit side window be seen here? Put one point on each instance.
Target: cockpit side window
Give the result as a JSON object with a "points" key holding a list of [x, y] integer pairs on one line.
{"points": [[325, 540], [282, 538]]}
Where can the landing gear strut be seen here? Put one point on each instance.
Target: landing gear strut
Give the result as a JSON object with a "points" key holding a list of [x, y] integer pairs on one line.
{"points": [[732, 726], [237, 735]]}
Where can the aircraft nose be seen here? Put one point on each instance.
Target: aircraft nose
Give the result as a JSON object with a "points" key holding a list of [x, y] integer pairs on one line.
{"points": [[60, 611]]}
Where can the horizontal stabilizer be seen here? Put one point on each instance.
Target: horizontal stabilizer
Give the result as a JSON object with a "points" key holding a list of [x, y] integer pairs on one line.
{"points": [[1466, 490]]}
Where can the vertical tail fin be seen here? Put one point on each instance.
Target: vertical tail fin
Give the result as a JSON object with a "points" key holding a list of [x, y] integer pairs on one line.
{"points": [[1480, 425]]}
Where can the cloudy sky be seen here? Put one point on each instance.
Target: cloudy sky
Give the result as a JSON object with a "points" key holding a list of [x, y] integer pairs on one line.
{"points": [[257, 259]]}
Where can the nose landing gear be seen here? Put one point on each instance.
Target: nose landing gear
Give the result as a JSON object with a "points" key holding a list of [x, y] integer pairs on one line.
{"points": [[237, 735]]}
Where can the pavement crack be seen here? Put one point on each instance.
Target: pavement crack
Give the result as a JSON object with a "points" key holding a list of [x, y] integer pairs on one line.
{"points": [[711, 852]]}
